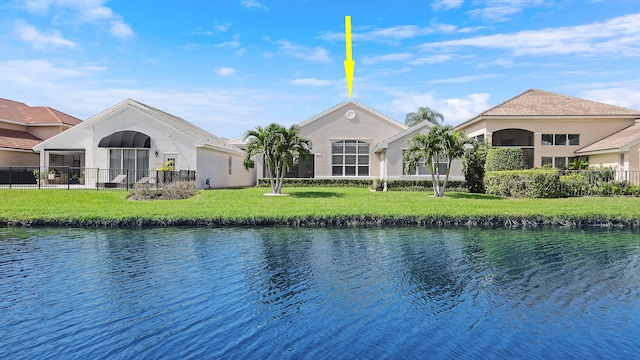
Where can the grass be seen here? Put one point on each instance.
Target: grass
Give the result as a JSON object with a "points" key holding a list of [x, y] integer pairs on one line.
{"points": [[308, 206]]}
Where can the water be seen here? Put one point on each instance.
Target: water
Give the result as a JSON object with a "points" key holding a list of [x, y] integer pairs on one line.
{"points": [[318, 293]]}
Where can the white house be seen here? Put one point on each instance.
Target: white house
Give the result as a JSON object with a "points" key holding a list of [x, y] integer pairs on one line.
{"points": [[136, 138]]}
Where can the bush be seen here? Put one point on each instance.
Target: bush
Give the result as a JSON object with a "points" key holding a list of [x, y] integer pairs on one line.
{"points": [[143, 192], [179, 190], [398, 185], [473, 166], [523, 183], [501, 159]]}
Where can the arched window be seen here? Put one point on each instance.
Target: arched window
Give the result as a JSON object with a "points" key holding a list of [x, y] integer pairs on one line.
{"points": [[350, 158]]}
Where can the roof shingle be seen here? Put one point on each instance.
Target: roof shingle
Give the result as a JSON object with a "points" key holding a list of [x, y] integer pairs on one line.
{"points": [[14, 139], [23, 113], [536, 102], [614, 141]]}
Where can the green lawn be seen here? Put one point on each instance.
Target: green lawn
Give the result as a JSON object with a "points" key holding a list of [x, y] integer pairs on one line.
{"points": [[311, 205]]}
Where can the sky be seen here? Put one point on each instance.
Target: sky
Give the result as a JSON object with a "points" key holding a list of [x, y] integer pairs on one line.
{"points": [[231, 65]]}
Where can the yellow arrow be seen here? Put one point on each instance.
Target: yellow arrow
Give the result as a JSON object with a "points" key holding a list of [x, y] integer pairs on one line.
{"points": [[349, 64]]}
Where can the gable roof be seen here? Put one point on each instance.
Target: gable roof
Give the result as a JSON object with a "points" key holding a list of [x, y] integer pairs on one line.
{"points": [[620, 141], [534, 103], [416, 128], [360, 105], [17, 112], [19, 140], [197, 134]]}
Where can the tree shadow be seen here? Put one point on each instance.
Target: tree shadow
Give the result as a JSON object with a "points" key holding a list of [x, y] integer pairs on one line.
{"points": [[473, 196], [316, 194]]}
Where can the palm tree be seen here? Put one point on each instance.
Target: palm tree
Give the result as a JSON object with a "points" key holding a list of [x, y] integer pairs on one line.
{"points": [[281, 148], [423, 113], [439, 144]]}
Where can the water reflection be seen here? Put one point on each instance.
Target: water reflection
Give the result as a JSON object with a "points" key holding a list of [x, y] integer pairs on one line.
{"points": [[319, 293]]}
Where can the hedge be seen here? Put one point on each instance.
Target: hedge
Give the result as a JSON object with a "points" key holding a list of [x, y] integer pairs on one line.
{"points": [[397, 185], [500, 159], [523, 183]]}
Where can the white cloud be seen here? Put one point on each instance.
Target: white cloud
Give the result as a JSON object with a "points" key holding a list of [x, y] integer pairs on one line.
{"points": [[39, 74], [38, 40], [502, 10], [394, 34], [617, 36], [312, 82], [446, 4], [434, 59], [253, 4], [120, 30], [463, 79], [225, 71], [455, 110], [387, 58], [222, 27], [233, 44], [81, 11], [317, 54]]}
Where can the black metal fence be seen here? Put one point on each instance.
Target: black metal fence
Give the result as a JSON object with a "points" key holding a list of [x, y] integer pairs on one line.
{"points": [[64, 177]]}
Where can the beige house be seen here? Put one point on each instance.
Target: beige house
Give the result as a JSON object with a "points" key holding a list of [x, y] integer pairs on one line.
{"points": [[354, 141], [22, 127], [552, 129]]}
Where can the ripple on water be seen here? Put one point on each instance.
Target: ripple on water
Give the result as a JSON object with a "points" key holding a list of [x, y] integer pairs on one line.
{"points": [[318, 293]]}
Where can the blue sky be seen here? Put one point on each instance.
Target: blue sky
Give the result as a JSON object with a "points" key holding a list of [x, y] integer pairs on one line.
{"points": [[230, 65]]}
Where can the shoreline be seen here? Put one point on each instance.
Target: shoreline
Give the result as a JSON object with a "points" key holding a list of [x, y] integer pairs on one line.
{"points": [[345, 221]]}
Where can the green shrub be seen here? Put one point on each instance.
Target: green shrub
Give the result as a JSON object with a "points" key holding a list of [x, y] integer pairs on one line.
{"points": [[474, 167], [523, 183], [397, 185], [501, 159]]}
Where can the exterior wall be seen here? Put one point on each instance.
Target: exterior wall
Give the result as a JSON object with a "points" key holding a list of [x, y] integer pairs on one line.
{"points": [[164, 140], [604, 160], [214, 165], [589, 129], [18, 158], [335, 126], [45, 132]]}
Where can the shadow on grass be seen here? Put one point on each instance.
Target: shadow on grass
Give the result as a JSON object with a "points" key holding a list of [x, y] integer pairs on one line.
{"points": [[316, 194], [473, 196]]}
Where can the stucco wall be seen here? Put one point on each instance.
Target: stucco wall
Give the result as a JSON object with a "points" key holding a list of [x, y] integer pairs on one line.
{"points": [[18, 158], [214, 165], [335, 126], [590, 130]]}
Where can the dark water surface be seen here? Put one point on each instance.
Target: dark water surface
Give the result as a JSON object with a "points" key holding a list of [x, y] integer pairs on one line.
{"points": [[319, 293]]}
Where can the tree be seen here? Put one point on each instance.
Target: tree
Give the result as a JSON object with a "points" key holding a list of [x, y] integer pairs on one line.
{"points": [[423, 113], [441, 143], [473, 166], [281, 148]]}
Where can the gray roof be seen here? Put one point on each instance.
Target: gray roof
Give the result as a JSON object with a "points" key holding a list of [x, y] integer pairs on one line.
{"points": [[198, 134], [614, 142]]}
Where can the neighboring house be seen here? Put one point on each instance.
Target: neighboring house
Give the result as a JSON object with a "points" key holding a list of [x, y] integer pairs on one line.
{"points": [[618, 150], [137, 138], [22, 127], [552, 129]]}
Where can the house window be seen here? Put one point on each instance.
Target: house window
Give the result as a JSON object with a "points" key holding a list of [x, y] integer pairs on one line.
{"points": [[132, 160], [423, 168], [350, 158], [561, 139], [230, 162], [560, 162]]}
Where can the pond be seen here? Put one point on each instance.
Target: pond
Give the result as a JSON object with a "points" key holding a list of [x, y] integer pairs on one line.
{"points": [[181, 293]]}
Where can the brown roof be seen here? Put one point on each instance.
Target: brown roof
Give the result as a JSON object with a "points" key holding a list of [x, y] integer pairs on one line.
{"points": [[535, 102], [14, 139], [23, 113], [616, 141]]}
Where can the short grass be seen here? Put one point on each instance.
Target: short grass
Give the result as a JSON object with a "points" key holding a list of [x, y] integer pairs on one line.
{"points": [[89, 206]]}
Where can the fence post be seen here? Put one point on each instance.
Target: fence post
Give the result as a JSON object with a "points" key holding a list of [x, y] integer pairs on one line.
{"points": [[68, 180], [10, 177]]}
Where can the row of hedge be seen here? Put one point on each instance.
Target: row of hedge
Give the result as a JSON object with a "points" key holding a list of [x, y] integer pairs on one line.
{"points": [[554, 184], [397, 185]]}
